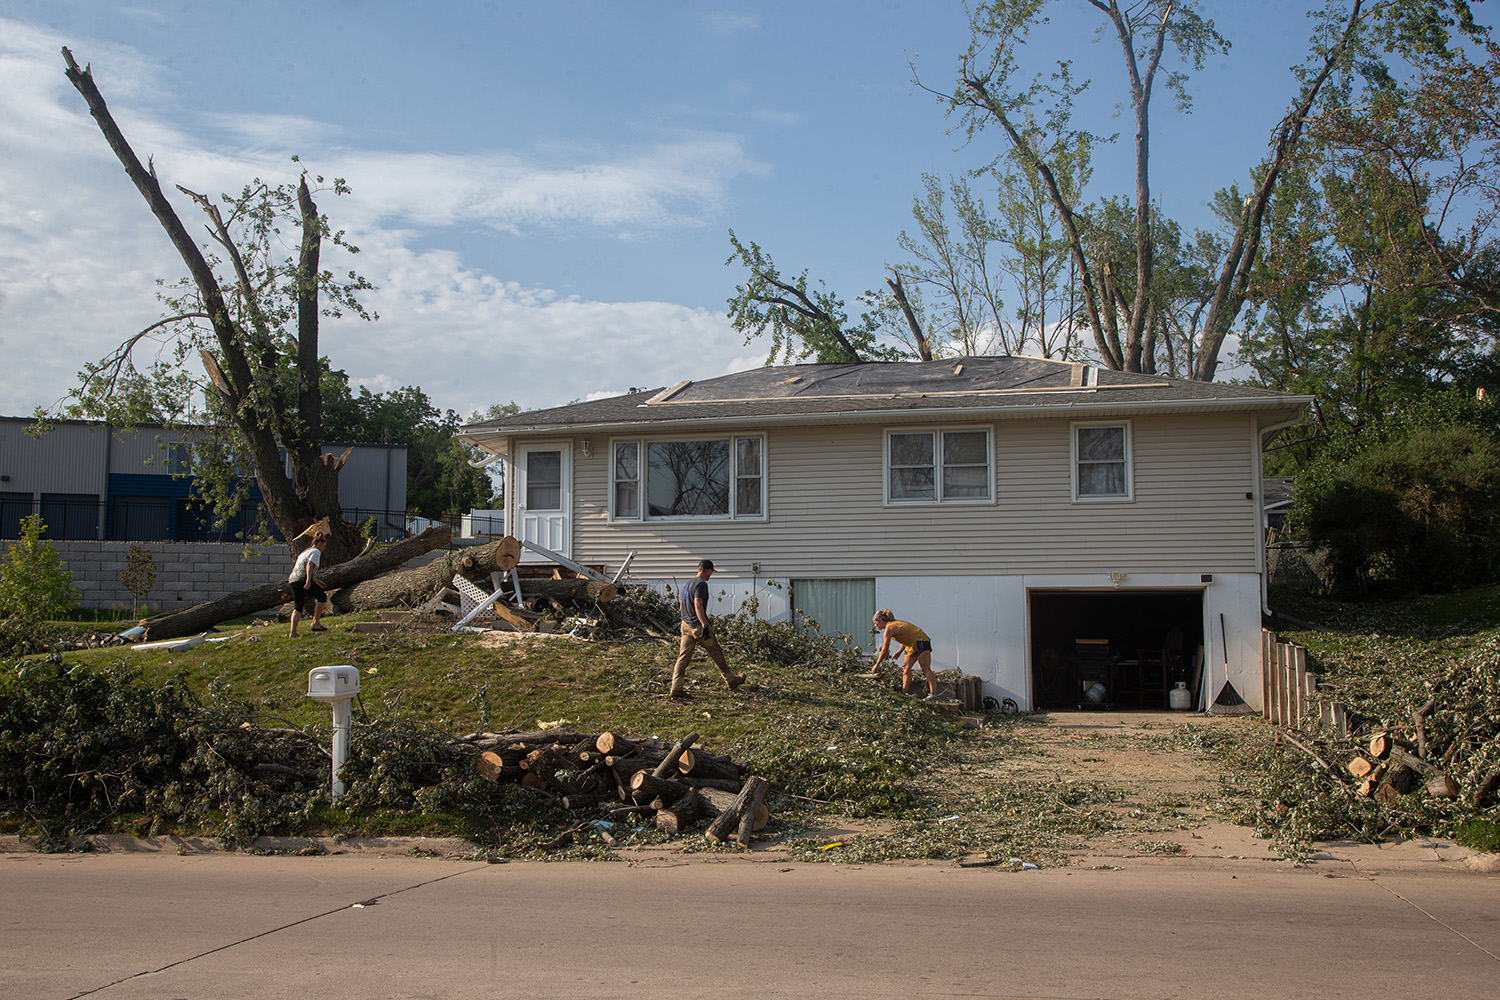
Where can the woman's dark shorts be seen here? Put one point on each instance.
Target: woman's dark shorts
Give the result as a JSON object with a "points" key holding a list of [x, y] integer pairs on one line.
{"points": [[300, 595], [917, 649]]}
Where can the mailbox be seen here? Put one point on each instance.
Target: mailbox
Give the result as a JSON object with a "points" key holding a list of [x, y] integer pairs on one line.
{"points": [[333, 683], [337, 686]]}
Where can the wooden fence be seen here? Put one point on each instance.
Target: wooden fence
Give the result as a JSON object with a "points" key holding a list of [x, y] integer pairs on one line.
{"points": [[1289, 688]]}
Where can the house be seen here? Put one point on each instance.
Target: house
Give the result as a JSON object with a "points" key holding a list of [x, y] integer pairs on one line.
{"points": [[1051, 525], [92, 480]]}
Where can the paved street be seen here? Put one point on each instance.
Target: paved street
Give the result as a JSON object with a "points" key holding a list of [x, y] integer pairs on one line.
{"points": [[162, 926]]}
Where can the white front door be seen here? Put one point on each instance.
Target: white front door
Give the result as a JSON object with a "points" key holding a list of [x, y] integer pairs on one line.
{"points": [[544, 497]]}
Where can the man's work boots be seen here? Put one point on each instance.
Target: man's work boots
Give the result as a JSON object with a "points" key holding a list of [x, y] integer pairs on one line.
{"points": [[734, 680]]}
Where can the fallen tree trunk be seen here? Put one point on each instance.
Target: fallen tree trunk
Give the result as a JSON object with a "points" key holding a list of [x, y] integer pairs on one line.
{"points": [[577, 591], [414, 586], [202, 617]]}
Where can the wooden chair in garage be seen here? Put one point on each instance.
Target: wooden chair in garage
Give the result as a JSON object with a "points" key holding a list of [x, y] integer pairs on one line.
{"points": [[1160, 666]]}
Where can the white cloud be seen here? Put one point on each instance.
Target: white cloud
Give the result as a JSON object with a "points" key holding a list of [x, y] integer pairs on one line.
{"points": [[726, 23], [80, 253]]}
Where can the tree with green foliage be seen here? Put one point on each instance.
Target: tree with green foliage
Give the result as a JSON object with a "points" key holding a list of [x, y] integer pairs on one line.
{"points": [[1351, 44], [242, 331], [1411, 505], [439, 477], [139, 574], [34, 582], [806, 323]]}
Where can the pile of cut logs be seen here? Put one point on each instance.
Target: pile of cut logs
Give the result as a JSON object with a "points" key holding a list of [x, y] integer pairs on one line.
{"points": [[679, 784], [1393, 767]]}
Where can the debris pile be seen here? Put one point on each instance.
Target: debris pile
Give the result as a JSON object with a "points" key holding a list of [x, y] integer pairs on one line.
{"points": [[677, 784]]}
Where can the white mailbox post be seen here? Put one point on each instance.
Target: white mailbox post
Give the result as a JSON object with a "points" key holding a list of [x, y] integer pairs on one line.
{"points": [[337, 686]]}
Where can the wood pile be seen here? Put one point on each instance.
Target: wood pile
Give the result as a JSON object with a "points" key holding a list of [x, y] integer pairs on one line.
{"points": [[1391, 767], [677, 784]]}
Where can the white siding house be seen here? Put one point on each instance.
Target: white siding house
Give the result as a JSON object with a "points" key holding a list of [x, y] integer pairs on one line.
{"points": [[1023, 512]]}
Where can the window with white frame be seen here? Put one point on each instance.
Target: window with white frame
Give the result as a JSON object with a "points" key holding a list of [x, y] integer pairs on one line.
{"points": [[703, 477], [939, 466], [1101, 462]]}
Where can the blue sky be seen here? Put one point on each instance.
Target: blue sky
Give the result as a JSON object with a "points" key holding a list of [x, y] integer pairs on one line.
{"points": [[542, 191]]}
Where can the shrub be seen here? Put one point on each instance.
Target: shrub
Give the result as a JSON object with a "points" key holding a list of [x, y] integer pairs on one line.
{"points": [[1415, 511], [34, 584]]}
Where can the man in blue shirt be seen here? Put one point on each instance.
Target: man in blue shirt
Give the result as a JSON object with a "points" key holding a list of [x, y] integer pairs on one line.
{"points": [[698, 630]]}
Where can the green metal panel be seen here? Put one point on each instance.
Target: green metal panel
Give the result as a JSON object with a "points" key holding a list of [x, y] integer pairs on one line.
{"points": [[840, 607]]}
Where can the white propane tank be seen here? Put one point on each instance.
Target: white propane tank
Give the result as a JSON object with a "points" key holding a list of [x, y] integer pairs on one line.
{"points": [[1179, 697]]}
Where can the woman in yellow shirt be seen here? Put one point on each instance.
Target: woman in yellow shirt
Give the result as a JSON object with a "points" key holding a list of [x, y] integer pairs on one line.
{"points": [[914, 642]]}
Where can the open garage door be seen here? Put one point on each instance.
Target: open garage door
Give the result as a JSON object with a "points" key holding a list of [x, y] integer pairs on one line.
{"points": [[1111, 648]]}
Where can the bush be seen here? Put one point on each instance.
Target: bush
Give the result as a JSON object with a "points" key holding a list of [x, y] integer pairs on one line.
{"points": [[1415, 511], [34, 584]]}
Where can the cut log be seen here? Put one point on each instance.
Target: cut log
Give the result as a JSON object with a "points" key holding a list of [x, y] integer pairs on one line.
{"points": [[1398, 780], [749, 814], [728, 821], [1360, 767], [513, 616], [576, 591], [681, 814], [1442, 787], [1415, 763], [202, 617], [668, 765], [616, 745], [411, 587], [645, 786], [698, 764], [1380, 745], [582, 800], [1487, 787], [493, 767]]}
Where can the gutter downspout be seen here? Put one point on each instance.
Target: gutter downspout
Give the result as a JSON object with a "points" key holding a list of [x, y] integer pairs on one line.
{"points": [[1260, 512]]}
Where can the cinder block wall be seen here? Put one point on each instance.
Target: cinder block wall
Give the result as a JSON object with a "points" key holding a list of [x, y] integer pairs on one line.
{"points": [[187, 573]]}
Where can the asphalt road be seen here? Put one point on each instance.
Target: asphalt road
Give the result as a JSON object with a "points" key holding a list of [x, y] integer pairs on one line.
{"points": [[162, 926]]}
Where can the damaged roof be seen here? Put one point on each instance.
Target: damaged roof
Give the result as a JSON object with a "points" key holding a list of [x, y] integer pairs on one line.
{"points": [[828, 393]]}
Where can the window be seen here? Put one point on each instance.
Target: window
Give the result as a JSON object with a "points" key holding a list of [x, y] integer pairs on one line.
{"points": [[939, 466], [712, 477], [1101, 462], [627, 500], [179, 458]]}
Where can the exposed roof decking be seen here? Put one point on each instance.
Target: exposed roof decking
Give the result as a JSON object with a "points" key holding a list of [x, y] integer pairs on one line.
{"points": [[987, 386]]}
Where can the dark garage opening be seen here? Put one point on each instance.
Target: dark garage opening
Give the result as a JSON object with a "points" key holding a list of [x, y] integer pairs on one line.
{"points": [[1102, 649]]}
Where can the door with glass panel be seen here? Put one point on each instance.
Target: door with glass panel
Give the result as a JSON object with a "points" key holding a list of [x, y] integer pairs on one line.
{"points": [[544, 498]]}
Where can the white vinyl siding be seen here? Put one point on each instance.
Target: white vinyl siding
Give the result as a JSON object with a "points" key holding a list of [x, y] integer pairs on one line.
{"points": [[826, 514]]}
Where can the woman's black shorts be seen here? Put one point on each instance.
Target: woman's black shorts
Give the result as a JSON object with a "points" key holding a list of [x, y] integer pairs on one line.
{"points": [[301, 594]]}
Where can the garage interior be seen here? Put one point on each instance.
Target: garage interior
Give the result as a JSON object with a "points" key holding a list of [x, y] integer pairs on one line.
{"points": [[1106, 649]]}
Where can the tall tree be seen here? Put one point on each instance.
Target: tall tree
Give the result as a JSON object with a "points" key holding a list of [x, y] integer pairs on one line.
{"points": [[249, 315], [991, 90]]}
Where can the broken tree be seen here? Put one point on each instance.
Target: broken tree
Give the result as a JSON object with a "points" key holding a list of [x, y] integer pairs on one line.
{"points": [[412, 587], [201, 617]]}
